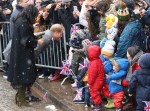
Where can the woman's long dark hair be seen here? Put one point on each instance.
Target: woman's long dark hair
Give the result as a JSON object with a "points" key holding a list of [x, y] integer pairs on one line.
{"points": [[29, 13]]}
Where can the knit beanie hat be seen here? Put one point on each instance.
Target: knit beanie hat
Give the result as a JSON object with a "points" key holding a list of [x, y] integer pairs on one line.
{"points": [[76, 39], [111, 26], [123, 12], [64, 1], [108, 49]]}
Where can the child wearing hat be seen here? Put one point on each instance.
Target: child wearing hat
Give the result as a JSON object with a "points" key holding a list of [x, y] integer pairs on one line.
{"points": [[111, 29], [79, 45], [108, 50]]}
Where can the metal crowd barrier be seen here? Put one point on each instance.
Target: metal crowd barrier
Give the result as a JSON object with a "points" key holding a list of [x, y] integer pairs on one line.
{"points": [[51, 57]]}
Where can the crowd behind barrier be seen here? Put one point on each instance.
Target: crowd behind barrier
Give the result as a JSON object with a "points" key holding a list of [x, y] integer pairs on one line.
{"points": [[49, 58]]}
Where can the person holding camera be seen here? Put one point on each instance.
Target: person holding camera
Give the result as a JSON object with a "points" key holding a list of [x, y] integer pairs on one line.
{"points": [[66, 13]]}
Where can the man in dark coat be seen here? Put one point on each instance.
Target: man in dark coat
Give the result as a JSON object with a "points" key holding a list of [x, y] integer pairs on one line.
{"points": [[142, 78]]}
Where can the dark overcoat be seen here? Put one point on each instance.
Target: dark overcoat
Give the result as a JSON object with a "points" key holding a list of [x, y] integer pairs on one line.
{"points": [[22, 70]]}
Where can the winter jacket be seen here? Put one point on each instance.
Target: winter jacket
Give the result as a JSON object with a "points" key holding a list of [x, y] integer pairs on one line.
{"points": [[22, 70], [142, 78], [108, 67], [131, 35], [102, 28], [96, 68], [102, 22], [132, 67], [65, 16], [114, 87], [103, 59], [146, 19]]}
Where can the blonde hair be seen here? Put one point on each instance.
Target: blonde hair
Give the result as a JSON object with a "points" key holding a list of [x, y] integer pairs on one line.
{"points": [[57, 28], [117, 66]]}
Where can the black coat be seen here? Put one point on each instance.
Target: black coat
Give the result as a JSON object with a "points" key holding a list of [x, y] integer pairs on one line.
{"points": [[22, 70], [140, 82], [65, 16]]}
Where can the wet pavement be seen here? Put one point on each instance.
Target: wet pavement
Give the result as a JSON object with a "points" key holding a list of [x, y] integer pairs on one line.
{"points": [[7, 99], [63, 95]]}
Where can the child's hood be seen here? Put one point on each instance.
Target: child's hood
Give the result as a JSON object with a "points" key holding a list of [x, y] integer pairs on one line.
{"points": [[123, 63], [93, 52], [144, 61], [108, 67]]}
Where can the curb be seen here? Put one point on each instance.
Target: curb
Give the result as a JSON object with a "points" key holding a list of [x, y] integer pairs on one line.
{"points": [[52, 96]]}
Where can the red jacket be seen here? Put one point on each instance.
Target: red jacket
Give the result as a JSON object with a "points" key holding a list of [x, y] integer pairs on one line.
{"points": [[96, 68], [134, 67]]}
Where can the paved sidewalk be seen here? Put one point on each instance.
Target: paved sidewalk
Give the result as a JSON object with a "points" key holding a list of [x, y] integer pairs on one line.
{"points": [[62, 95], [7, 99]]}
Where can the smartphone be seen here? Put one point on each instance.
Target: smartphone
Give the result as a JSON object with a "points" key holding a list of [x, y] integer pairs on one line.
{"points": [[75, 8]]}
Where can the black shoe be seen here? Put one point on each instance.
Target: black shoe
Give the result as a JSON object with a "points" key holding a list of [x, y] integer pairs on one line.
{"points": [[32, 98], [71, 80]]}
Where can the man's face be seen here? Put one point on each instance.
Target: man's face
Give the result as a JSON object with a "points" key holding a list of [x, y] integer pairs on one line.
{"points": [[57, 35]]}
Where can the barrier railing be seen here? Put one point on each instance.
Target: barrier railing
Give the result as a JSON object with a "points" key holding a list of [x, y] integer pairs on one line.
{"points": [[51, 57]]}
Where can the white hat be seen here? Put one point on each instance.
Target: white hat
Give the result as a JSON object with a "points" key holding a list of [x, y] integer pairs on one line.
{"points": [[108, 49]]}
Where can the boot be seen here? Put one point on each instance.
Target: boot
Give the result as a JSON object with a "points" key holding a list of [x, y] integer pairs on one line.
{"points": [[30, 97], [110, 104], [57, 76], [21, 98]]}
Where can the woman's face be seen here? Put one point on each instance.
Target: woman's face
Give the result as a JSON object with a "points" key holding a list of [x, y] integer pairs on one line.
{"points": [[129, 57]]}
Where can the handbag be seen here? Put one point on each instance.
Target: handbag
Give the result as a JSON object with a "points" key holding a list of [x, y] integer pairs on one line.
{"points": [[7, 52]]}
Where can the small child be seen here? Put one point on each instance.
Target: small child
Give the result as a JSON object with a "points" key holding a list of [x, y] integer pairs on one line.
{"points": [[79, 45], [142, 78], [95, 76], [120, 67]]}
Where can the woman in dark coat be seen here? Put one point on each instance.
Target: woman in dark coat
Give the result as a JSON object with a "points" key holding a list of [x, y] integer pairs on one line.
{"points": [[22, 70]]}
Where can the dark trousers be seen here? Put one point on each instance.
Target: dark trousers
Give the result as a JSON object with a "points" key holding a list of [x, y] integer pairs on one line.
{"points": [[77, 58], [86, 95]]}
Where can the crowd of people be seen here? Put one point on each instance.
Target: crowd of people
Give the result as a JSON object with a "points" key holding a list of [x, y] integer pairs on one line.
{"points": [[112, 42]]}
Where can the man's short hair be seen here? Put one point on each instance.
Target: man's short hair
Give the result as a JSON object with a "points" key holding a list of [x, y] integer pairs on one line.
{"points": [[57, 28]]}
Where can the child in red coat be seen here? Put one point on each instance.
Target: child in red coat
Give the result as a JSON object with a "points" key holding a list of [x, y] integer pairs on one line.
{"points": [[95, 75]]}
